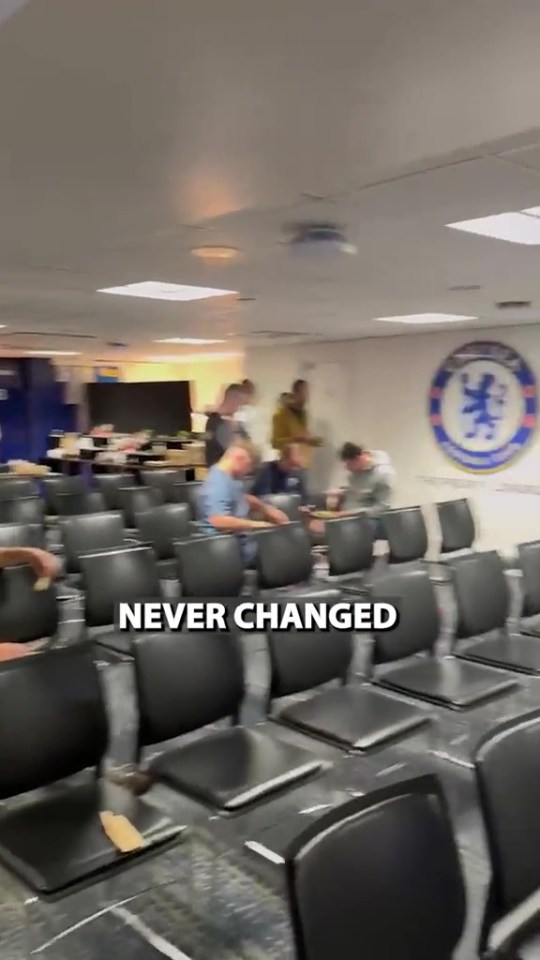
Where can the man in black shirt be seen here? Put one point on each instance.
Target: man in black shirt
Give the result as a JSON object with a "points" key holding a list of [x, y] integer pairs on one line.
{"points": [[221, 427], [282, 476]]}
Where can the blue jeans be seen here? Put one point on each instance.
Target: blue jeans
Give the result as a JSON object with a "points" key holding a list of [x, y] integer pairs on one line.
{"points": [[378, 529]]}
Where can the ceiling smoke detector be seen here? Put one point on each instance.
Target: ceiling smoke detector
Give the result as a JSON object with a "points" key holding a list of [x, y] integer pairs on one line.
{"points": [[318, 238]]}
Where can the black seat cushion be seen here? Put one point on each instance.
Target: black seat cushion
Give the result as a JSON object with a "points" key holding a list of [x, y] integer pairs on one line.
{"points": [[58, 842], [530, 628], [515, 653], [315, 592], [357, 718], [118, 642], [234, 768], [358, 584], [450, 682]]}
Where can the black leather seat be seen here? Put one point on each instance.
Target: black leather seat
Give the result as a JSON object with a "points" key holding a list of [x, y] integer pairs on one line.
{"points": [[529, 563], [54, 702], [447, 681], [456, 522], [285, 564], [184, 683], [75, 503], [380, 877], [12, 488], [483, 605], [508, 780], [89, 533], [110, 485], [187, 492], [163, 479], [350, 542], [406, 534], [210, 567], [137, 500], [355, 718], [26, 614], [161, 526], [23, 510], [55, 485], [289, 503], [21, 535], [122, 575]]}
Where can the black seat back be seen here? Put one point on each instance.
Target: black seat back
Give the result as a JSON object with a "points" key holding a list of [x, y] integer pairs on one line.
{"points": [[136, 500], [76, 503], [210, 567], [185, 681], [378, 877], [21, 535], [350, 545], [23, 510], [89, 533], [508, 779], [405, 531], [187, 492], [162, 525], [11, 488], [457, 525], [55, 485], [52, 718], [481, 592], [301, 661], [110, 577], [289, 503], [529, 562], [417, 631], [110, 485], [25, 613], [163, 479], [284, 556]]}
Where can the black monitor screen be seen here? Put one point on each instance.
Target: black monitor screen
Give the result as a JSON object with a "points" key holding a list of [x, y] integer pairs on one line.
{"points": [[162, 406]]}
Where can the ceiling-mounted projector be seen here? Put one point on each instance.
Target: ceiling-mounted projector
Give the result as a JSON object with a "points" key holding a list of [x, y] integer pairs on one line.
{"points": [[318, 239]]}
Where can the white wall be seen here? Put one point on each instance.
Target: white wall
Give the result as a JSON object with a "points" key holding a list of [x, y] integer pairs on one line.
{"points": [[381, 390]]}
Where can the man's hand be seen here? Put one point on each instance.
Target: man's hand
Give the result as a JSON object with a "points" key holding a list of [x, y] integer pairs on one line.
{"points": [[44, 564], [277, 516]]}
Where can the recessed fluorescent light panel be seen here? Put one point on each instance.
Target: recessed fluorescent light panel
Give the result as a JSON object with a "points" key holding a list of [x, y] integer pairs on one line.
{"points": [[52, 353], [155, 290], [189, 341], [426, 318], [518, 227], [192, 357]]}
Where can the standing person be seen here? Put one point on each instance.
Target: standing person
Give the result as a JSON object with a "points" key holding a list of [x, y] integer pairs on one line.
{"points": [[247, 412], [370, 487], [221, 426], [45, 567], [226, 507], [290, 423]]}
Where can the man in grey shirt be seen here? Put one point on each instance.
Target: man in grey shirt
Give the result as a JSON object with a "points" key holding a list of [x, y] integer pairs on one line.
{"points": [[221, 428], [371, 483]]}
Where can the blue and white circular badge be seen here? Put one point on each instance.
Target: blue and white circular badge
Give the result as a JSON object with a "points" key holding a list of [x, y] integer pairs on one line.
{"points": [[483, 406]]}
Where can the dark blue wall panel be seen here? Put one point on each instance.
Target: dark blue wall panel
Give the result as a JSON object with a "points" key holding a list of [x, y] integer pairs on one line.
{"points": [[31, 405]]}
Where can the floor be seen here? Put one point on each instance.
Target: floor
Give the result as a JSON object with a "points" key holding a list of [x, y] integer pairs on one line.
{"points": [[211, 897]]}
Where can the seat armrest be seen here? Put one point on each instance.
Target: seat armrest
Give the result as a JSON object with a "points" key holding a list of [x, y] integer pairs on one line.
{"points": [[514, 929]]}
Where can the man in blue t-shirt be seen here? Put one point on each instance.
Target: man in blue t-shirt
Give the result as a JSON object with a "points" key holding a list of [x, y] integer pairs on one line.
{"points": [[282, 476], [225, 507]]}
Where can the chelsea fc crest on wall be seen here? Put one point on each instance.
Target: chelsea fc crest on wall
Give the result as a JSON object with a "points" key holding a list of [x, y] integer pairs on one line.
{"points": [[483, 406]]}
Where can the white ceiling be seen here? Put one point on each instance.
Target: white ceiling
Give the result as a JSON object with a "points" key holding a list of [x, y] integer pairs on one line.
{"points": [[132, 130]]}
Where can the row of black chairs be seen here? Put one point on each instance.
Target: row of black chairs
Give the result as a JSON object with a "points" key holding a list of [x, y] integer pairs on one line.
{"points": [[389, 855]]}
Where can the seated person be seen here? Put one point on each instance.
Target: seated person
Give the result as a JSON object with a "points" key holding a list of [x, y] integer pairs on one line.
{"points": [[226, 507], [282, 476], [45, 566], [370, 483]]}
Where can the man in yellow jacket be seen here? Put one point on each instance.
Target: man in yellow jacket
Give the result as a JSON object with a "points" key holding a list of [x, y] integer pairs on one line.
{"points": [[290, 423]]}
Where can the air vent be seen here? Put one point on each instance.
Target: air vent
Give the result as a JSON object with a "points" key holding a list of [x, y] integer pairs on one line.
{"points": [[513, 304], [318, 238]]}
